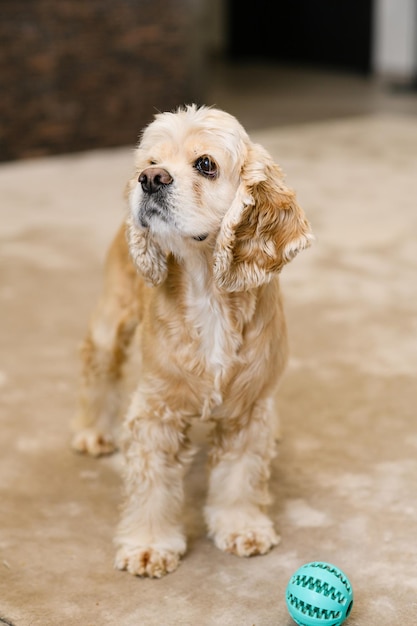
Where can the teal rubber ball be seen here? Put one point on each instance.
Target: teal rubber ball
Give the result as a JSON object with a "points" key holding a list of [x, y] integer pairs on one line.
{"points": [[319, 594]]}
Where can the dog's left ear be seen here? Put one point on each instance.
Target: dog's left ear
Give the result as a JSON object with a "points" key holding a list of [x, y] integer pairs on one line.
{"points": [[263, 229]]}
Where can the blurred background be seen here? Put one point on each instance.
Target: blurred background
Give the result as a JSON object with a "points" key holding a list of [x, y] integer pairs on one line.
{"points": [[84, 74]]}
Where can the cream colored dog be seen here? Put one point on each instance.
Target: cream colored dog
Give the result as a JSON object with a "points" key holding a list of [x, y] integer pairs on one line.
{"points": [[195, 268]]}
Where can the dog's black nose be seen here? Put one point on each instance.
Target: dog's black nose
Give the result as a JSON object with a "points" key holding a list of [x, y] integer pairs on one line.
{"points": [[154, 178]]}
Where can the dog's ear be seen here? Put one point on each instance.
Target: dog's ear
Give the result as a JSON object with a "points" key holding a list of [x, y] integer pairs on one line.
{"points": [[263, 229], [147, 256]]}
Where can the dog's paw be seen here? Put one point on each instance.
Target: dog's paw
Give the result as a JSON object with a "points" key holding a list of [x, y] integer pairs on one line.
{"points": [[147, 561], [248, 542], [93, 442], [241, 532]]}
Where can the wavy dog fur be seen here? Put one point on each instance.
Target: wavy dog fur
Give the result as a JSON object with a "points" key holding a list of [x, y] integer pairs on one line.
{"points": [[192, 279]]}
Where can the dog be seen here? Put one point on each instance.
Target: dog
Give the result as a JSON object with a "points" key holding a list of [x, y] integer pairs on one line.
{"points": [[192, 284]]}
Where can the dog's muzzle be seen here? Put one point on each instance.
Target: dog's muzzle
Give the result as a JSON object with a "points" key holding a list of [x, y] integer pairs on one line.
{"points": [[155, 182]]}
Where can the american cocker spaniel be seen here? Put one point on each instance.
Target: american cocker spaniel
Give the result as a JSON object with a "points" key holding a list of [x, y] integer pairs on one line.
{"points": [[192, 283]]}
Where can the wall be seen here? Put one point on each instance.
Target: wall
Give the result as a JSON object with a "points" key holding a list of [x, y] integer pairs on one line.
{"points": [[77, 75], [395, 38]]}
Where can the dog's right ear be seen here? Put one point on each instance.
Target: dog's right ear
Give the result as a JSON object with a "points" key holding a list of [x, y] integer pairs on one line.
{"points": [[147, 255]]}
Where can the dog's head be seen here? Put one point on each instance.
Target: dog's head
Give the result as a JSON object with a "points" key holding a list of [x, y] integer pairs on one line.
{"points": [[200, 184]]}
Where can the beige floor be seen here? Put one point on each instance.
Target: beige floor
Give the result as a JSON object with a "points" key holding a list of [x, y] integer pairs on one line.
{"points": [[262, 95], [345, 480]]}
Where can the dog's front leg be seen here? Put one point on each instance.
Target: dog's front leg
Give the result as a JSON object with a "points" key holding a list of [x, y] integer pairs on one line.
{"points": [[150, 537], [238, 487], [104, 352]]}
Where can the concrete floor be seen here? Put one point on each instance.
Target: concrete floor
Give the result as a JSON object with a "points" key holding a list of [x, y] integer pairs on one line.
{"points": [[345, 478], [346, 473], [263, 94]]}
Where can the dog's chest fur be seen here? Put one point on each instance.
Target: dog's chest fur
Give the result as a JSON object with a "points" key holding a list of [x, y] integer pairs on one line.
{"points": [[211, 335], [215, 321], [211, 325]]}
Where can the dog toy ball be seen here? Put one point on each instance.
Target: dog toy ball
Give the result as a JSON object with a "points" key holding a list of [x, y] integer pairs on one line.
{"points": [[319, 594]]}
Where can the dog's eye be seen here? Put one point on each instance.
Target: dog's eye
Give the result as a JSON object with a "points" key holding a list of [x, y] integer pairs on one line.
{"points": [[206, 166]]}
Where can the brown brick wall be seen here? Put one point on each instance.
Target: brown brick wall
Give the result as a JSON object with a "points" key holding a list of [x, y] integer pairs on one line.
{"points": [[82, 74]]}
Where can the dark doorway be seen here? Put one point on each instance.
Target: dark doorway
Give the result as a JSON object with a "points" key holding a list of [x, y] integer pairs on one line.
{"points": [[329, 33]]}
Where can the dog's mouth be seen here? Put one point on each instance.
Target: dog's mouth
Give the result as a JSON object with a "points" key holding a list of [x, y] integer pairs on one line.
{"points": [[151, 208]]}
